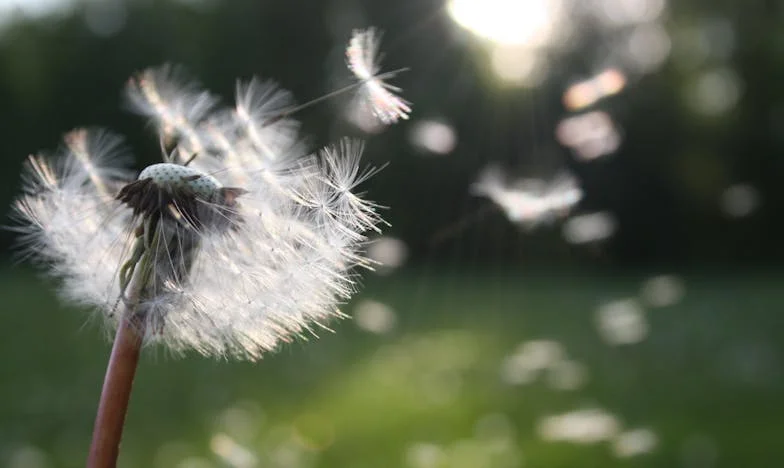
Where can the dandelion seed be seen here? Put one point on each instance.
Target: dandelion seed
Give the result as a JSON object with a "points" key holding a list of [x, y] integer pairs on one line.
{"points": [[529, 202], [175, 104], [363, 60]]}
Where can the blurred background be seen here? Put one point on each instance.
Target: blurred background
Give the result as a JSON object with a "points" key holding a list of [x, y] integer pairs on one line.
{"points": [[584, 261]]}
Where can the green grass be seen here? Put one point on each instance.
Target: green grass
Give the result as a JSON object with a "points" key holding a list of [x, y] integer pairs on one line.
{"points": [[708, 380]]}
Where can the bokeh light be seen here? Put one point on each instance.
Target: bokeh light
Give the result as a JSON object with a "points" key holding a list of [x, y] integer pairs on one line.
{"points": [[622, 322], [425, 455], [529, 23], [434, 137], [585, 426], [588, 92], [33, 8], [231, 452], [518, 65], [389, 253], [624, 12], [739, 200], [662, 291], [715, 92], [529, 359], [634, 442], [590, 135], [591, 227], [375, 317]]}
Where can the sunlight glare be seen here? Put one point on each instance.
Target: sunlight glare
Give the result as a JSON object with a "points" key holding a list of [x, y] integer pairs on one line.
{"points": [[513, 22]]}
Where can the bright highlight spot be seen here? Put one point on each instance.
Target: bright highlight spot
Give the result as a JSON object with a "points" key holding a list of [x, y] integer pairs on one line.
{"points": [[424, 455], [621, 322], [241, 420], [590, 135], [715, 92], [586, 228], [586, 93], [231, 452], [647, 47], [587, 426], [518, 65], [525, 364], [739, 200], [634, 442], [374, 316], [433, 136], [34, 8], [518, 22], [662, 291], [388, 252], [625, 12]]}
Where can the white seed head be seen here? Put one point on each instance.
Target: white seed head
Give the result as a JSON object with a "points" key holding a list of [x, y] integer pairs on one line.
{"points": [[251, 245]]}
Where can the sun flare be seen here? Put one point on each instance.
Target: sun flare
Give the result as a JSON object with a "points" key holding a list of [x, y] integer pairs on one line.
{"points": [[528, 23]]}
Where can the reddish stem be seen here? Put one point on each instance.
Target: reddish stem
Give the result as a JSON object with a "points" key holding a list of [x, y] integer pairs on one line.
{"points": [[115, 395]]}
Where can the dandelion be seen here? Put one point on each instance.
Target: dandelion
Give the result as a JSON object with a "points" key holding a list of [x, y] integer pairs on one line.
{"points": [[364, 61], [245, 247], [229, 247]]}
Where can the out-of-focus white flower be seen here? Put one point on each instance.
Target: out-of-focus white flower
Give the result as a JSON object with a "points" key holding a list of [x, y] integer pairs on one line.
{"points": [[662, 290], [589, 227], [529, 202], [375, 317], [585, 426], [241, 243], [591, 135], [622, 322], [376, 94], [388, 253], [739, 200], [634, 442]]}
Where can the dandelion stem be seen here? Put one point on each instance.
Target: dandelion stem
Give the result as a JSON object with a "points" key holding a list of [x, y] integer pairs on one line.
{"points": [[115, 395], [118, 382]]}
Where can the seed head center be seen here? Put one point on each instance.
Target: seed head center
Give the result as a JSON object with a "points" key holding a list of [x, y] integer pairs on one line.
{"points": [[175, 178]]}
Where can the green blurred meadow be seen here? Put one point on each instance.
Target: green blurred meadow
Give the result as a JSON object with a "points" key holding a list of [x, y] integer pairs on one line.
{"points": [[432, 391]]}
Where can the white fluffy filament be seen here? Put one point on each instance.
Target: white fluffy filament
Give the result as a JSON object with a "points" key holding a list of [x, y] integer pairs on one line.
{"points": [[280, 270], [363, 60]]}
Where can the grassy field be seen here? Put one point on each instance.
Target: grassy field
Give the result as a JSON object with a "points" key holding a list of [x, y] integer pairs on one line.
{"points": [[438, 390]]}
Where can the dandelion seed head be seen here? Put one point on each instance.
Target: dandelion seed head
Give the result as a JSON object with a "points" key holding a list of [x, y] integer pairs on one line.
{"points": [[247, 244]]}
